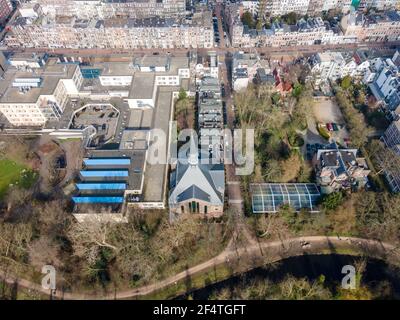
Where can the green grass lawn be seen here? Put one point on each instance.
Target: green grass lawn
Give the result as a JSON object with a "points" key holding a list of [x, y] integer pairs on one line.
{"points": [[14, 173]]}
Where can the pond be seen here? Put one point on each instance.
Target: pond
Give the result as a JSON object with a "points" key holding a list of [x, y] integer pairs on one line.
{"points": [[310, 267]]}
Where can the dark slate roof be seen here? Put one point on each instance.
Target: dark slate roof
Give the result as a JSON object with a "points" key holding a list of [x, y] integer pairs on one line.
{"points": [[193, 192]]}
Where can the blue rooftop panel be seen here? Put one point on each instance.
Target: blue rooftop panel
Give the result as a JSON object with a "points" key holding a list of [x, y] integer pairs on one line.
{"points": [[101, 186], [104, 173], [90, 73], [110, 161], [98, 199]]}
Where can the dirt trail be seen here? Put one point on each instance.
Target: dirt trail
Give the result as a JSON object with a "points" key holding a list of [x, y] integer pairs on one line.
{"points": [[273, 251]]}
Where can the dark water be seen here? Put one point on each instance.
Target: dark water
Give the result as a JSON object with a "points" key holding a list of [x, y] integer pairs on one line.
{"points": [[311, 267]]}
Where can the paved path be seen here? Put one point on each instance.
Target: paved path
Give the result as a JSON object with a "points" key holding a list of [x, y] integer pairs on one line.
{"points": [[268, 251]]}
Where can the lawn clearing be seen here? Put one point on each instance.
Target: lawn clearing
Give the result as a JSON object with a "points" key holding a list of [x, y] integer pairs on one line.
{"points": [[14, 173]]}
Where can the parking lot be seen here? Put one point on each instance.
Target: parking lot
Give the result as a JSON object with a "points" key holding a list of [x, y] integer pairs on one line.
{"points": [[328, 114]]}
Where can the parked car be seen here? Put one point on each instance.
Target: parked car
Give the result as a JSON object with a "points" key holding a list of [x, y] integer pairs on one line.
{"points": [[329, 127], [335, 127]]}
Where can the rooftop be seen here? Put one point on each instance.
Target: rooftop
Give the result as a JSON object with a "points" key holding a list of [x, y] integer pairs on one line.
{"points": [[142, 86], [49, 75]]}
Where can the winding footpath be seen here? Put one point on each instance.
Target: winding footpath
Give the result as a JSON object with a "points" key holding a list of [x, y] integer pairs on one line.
{"points": [[266, 252]]}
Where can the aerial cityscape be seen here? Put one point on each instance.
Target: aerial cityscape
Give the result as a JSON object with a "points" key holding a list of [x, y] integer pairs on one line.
{"points": [[199, 150]]}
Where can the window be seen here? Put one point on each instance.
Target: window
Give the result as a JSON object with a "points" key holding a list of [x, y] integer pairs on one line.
{"points": [[183, 209]]}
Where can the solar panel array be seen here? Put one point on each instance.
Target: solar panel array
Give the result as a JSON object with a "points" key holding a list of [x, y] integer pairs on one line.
{"points": [[101, 186], [107, 162], [99, 199], [90, 73], [103, 181], [104, 173], [269, 197]]}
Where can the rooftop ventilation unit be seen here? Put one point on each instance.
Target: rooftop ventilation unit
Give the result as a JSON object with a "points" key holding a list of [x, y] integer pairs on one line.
{"points": [[26, 82]]}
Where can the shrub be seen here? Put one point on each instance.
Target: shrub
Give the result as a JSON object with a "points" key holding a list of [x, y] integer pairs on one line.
{"points": [[323, 132], [182, 94], [333, 200], [346, 82], [295, 140]]}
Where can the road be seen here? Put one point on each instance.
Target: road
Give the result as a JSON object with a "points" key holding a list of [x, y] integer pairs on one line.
{"points": [[218, 9], [278, 51], [266, 252]]}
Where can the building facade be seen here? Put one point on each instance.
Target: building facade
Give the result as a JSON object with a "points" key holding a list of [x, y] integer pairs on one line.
{"points": [[373, 27], [275, 8], [105, 9], [383, 79], [391, 138], [45, 31], [5, 9], [32, 99], [244, 69], [331, 66]]}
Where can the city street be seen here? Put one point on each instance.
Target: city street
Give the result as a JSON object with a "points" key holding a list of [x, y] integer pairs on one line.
{"points": [[270, 51]]}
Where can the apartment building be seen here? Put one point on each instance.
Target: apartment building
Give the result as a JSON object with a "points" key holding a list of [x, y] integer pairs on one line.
{"points": [[244, 69], [305, 32], [331, 66], [210, 120], [338, 169], [378, 4], [391, 138], [45, 31], [5, 9], [207, 66], [251, 6], [354, 27], [105, 9], [32, 98], [281, 7], [384, 81], [373, 27], [275, 8], [315, 7], [210, 113], [343, 5]]}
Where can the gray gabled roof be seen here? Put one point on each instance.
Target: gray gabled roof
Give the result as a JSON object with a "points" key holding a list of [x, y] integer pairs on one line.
{"points": [[193, 192], [200, 181]]}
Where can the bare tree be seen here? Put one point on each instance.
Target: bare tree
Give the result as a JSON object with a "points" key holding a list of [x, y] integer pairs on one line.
{"points": [[87, 239], [43, 251]]}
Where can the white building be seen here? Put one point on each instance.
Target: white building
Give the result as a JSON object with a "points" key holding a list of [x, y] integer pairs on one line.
{"points": [[46, 31], [331, 66], [83, 9], [244, 69], [32, 99], [251, 6], [281, 7], [384, 81], [207, 67], [344, 5]]}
